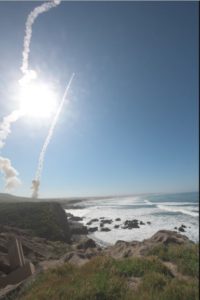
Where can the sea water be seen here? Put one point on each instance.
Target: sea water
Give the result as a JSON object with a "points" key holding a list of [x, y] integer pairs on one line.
{"points": [[163, 211]]}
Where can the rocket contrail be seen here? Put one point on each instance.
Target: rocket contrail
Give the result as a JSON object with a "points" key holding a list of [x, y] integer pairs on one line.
{"points": [[36, 181], [5, 126]]}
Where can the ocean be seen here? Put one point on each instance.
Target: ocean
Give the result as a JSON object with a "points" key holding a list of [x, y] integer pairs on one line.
{"points": [[163, 211]]}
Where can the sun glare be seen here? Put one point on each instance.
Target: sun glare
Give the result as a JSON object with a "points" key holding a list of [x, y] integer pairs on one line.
{"points": [[37, 100]]}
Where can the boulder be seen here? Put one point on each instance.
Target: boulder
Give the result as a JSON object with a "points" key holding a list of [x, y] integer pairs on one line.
{"points": [[95, 220], [106, 221], [91, 221], [88, 243], [129, 224], [105, 229], [92, 229], [183, 226], [181, 229], [116, 226], [117, 219]]}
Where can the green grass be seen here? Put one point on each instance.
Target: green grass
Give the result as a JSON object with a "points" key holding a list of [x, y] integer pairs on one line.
{"points": [[186, 257], [138, 266], [104, 278]]}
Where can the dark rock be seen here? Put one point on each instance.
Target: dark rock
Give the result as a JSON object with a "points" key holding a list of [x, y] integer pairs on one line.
{"points": [[149, 222], [91, 221], [2, 274], [101, 224], [95, 220], [106, 221], [101, 218], [89, 243], [142, 223], [129, 224], [4, 264], [183, 226], [181, 229], [74, 218], [116, 226], [175, 228], [117, 219], [136, 248], [168, 237], [35, 249], [77, 228], [92, 229], [105, 229]]}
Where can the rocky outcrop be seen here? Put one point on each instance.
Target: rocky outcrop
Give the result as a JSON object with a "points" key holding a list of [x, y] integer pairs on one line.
{"points": [[35, 249], [135, 248]]}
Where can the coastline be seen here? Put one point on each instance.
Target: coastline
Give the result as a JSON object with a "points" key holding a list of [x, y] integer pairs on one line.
{"points": [[74, 246], [137, 218]]}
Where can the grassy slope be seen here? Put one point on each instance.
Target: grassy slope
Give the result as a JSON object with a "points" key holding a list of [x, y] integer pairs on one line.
{"points": [[46, 220], [104, 278]]}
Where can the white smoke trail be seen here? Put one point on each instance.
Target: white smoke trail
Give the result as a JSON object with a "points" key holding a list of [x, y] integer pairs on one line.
{"points": [[5, 127], [30, 74], [36, 181]]}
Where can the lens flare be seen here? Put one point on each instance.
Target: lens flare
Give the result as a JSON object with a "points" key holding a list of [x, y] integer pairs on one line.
{"points": [[37, 100]]}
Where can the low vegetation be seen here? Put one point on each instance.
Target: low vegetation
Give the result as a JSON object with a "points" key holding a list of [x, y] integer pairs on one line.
{"points": [[104, 278], [46, 220], [186, 257]]}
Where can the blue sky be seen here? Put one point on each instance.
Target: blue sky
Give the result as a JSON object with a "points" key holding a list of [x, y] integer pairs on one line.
{"points": [[132, 122]]}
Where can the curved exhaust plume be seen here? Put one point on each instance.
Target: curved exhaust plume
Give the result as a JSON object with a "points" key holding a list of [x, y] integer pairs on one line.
{"points": [[28, 34], [36, 181]]}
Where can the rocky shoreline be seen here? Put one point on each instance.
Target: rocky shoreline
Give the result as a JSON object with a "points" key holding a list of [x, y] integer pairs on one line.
{"points": [[45, 253], [99, 224]]}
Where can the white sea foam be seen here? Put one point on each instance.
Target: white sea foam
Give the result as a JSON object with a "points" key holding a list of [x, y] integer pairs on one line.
{"points": [[149, 202], [178, 210], [142, 209]]}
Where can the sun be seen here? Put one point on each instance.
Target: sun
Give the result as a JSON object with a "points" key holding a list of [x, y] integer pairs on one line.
{"points": [[37, 100]]}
